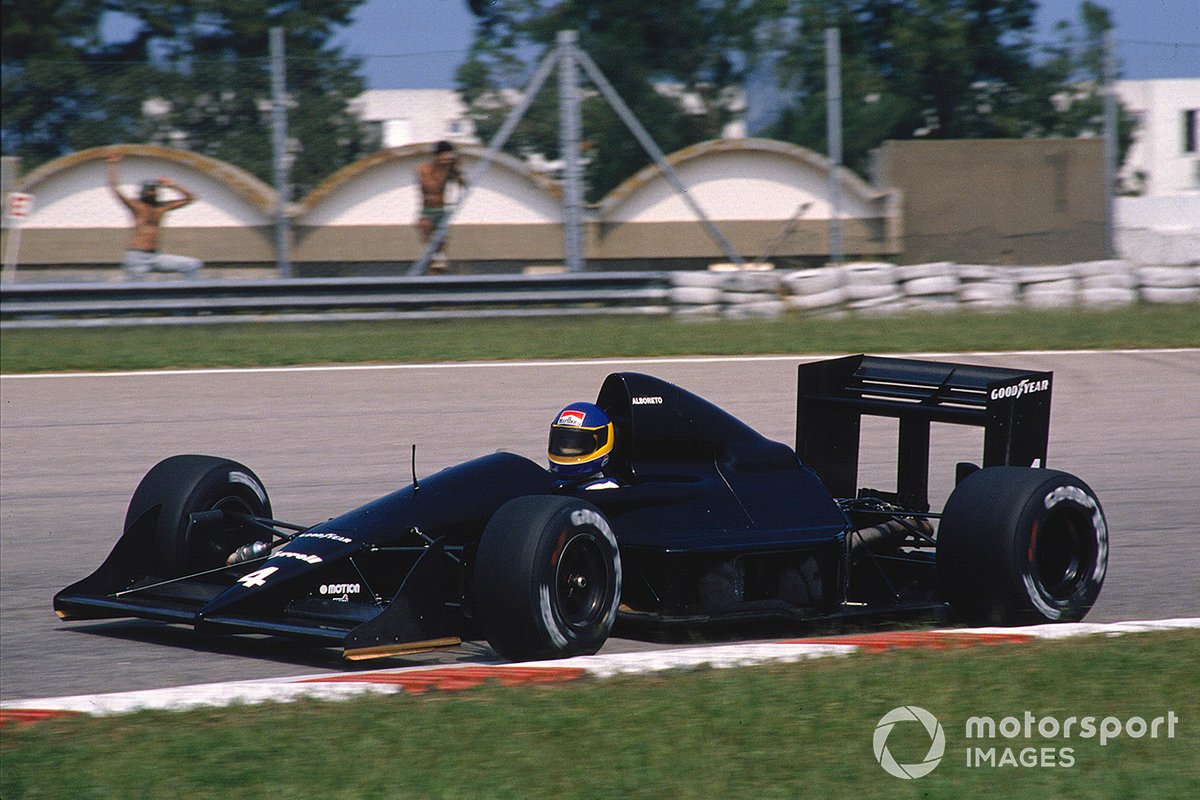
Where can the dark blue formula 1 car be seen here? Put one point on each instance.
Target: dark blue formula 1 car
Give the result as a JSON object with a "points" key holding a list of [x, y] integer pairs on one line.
{"points": [[709, 522]]}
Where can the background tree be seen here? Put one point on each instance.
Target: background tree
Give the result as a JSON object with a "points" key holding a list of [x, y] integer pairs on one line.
{"points": [[53, 62], [672, 63], [189, 74], [941, 69], [1069, 100], [944, 69]]}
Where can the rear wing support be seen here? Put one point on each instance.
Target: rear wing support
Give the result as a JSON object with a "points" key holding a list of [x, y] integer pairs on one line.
{"points": [[1012, 406]]}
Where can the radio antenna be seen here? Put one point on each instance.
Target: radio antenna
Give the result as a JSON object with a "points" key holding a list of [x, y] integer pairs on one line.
{"points": [[416, 486]]}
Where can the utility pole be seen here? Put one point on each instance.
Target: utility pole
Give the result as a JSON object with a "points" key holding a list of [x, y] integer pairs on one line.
{"points": [[569, 133], [281, 157], [1110, 142], [833, 132]]}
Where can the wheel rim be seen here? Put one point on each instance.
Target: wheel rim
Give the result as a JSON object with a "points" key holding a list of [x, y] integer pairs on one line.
{"points": [[581, 582], [216, 548], [1063, 551]]}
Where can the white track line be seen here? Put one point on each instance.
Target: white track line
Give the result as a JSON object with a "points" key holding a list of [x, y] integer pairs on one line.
{"points": [[584, 362]]}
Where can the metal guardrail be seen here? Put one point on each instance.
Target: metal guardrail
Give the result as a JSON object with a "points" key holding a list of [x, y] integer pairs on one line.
{"points": [[178, 302]]}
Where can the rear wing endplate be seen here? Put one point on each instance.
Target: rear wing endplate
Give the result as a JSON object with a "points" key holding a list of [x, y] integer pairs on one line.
{"points": [[1012, 406]]}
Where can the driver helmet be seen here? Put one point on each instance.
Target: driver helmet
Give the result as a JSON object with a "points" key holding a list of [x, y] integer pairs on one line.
{"points": [[581, 439]]}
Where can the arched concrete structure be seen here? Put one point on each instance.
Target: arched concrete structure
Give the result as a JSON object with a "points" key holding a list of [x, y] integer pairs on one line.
{"points": [[752, 189], [76, 220], [365, 212], [370, 208], [739, 179]]}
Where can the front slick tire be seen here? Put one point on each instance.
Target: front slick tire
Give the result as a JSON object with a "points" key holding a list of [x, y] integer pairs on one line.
{"points": [[1021, 546], [547, 579], [179, 486]]}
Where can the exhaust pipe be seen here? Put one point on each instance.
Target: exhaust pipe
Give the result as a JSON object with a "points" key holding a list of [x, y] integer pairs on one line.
{"points": [[887, 535]]}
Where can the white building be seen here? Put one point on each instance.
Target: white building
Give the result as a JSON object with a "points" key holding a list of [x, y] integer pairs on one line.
{"points": [[412, 116], [1165, 156], [1162, 225]]}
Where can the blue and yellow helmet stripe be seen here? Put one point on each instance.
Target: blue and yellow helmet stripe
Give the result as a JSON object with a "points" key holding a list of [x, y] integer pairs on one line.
{"points": [[581, 438]]}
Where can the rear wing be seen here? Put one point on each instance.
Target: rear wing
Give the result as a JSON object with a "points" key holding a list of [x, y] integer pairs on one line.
{"points": [[1012, 406]]}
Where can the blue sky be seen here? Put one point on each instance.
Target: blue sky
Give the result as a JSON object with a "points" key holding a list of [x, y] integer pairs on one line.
{"points": [[413, 44]]}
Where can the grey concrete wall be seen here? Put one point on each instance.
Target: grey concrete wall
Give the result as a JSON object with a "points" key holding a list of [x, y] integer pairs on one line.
{"points": [[999, 201]]}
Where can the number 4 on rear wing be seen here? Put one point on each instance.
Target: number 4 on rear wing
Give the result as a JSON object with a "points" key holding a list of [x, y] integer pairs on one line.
{"points": [[1012, 406]]}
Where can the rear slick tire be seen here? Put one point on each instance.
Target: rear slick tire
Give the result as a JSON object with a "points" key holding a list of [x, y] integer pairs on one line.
{"points": [[1020, 546], [547, 579]]}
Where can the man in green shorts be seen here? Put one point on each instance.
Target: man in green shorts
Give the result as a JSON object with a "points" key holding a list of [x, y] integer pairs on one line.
{"points": [[432, 178]]}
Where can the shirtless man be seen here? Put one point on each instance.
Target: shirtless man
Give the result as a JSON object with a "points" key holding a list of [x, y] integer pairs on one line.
{"points": [[432, 178], [142, 256]]}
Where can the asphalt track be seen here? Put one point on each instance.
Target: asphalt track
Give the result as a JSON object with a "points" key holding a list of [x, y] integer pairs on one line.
{"points": [[327, 439]]}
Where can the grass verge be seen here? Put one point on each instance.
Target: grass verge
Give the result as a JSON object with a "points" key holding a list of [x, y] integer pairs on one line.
{"points": [[578, 337], [780, 731]]}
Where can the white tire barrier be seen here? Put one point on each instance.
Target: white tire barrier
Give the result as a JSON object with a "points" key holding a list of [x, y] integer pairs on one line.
{"points": [[696, 278], [1051, 294], [1167, 277], [933, 304], [1113, 266], [867, 292], [931, 285], [694, 295], [981, 272], [885, 304], [1115, 280], [697, 312], [832, 298], [869, 281], [997, 293], [748, 298], [763, 309], [937, 269], [1171, 294], [875, 288], [1107, 296], [752, 282], [1035, 275], [812, 282]]}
